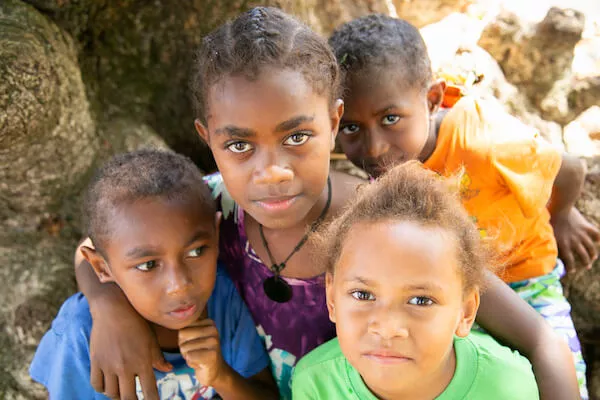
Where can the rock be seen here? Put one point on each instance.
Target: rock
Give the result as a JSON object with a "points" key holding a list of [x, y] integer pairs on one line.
{"points": [[533, 57], [582, 136], [583, 287], [46, 131], [37, 274], [423, 12]]}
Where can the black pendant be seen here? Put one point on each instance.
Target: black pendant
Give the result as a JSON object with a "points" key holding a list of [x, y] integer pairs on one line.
{"points": [[277, 289]]}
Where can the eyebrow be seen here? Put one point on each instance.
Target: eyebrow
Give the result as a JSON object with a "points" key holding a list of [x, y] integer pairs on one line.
{"points": [[386, 109], [411, 287], [235, 131], [293, 123], [151, 251]]}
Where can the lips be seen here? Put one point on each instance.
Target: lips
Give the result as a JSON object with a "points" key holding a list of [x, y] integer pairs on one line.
{"points": [[184, 311], [385, 356], [274, 204]]}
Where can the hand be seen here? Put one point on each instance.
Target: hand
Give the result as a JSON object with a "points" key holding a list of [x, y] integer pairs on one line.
{"points": [[575, 236], [199, 344], [123, 346]]}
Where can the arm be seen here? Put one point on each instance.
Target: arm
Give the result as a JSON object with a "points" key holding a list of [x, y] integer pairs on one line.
{"points": [[512, 321], [122, 345], [575, 236], [200, 345]]}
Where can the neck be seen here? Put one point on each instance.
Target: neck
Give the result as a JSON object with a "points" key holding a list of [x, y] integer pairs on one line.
{"points": [[426, 388], [434, 128]]}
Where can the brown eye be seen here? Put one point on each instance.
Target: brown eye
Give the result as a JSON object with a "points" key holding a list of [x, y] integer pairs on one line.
{"points": [[420, 301], [147, 266], [296, 139], [350, 129], [362, 295], [239, 147], [390, 119]]}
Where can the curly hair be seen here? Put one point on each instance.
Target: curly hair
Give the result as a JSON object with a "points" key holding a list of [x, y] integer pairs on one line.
{"points": [[259, 38], [408, 192], [379, 41], [141, 174]]}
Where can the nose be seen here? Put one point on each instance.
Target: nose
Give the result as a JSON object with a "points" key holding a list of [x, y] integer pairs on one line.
{"points": [[388, 323], [273, 169], [376, 144], [179, 280]]}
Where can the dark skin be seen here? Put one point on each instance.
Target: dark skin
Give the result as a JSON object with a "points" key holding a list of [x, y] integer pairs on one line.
{"points": [[386, 122], [247, 143], [168, 281]]}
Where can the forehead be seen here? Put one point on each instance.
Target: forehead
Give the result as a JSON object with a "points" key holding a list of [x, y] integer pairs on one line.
{"points": [[398, 253], [157, 222], [379, 87], [274, 96]]}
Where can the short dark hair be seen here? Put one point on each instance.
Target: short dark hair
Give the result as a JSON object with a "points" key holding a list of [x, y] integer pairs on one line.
{"points": [[408, 192], [141, 174], [263, 37], [379, 41]]}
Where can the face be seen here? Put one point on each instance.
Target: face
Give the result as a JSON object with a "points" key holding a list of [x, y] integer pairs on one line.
{"points": [[271, 139], [397, 300], [163, 255], [386, 121]]}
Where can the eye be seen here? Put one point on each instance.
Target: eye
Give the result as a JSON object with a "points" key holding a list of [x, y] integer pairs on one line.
{"points": [[362, 295], [350, 129], [390, 119], [197, 252], [147, 266], [239, 147], [421, 301], [297, 139]]}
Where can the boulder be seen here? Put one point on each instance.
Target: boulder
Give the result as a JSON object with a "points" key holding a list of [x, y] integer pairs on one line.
{"points": [[582, 136]]}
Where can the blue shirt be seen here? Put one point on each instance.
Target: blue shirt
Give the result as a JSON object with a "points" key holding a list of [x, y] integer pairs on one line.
{"points": [[62, 360]]}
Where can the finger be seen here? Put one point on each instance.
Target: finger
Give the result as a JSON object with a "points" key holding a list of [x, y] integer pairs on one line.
{"points": [[111, 386], [158, 360], [568, 260], [582, 253], [197, 332], [206, 343], [199, 357], [590, 247], [97, 378], [593, 232], [148, 382], [127, 388], [201, 322]]}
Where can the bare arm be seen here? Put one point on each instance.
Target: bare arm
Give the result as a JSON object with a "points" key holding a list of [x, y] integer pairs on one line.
{"points": [[232, 386], [575, 236], [514, 322]]}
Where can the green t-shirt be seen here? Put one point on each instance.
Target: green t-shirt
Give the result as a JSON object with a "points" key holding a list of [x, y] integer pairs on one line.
{"points": [[484, 370]]}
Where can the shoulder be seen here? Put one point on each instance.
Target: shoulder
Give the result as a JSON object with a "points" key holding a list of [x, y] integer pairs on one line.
{"points": [[497, 365], [319, 359], [74, 317], [224, 294]]}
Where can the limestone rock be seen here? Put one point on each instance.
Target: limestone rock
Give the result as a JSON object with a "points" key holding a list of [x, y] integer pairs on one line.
{"points": [[533, 57], [46, 130], [424, 12], [582, 136]]}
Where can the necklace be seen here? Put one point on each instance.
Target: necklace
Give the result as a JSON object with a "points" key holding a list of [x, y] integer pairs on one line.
{"points": [[275, 287]]}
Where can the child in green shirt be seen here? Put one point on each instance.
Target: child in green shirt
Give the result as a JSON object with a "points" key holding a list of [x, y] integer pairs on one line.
{"points": [[405, 269]]}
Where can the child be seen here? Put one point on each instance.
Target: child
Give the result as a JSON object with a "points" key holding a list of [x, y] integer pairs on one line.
{"points": [[405, 267], [266, 90], [510, 172], [155, 235]]}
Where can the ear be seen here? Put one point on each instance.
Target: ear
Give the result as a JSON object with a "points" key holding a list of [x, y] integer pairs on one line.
{"points": [[98, 263], [336, 117], [470, 306], [202, 130], [329, 296], [435, 95]]}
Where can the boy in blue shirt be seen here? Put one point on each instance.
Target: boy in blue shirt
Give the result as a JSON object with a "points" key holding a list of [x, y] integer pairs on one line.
{"points": [[154, 232]]}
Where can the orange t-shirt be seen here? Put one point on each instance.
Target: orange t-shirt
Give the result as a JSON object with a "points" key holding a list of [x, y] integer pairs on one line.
{"points": [[508, 173]]}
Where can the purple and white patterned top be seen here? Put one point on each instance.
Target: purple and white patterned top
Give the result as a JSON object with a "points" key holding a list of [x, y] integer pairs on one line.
{"points": [[289, 330]]}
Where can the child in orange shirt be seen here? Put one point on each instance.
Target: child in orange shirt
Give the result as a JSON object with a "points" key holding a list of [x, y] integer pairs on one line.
{"points": [[510, 174]]}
